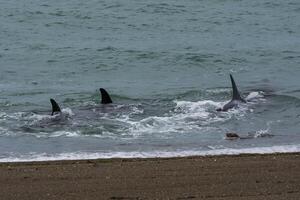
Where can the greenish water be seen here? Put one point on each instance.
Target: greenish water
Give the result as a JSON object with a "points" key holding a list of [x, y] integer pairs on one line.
{"points": [[166, 65]]}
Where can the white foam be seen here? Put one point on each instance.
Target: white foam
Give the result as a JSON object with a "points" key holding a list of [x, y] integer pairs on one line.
{"points": [[14, 116], [4, 131], [59, 134], [153, 154], [252, 96], [198, 106], [34, 116], [67, 111], [186, 117]]}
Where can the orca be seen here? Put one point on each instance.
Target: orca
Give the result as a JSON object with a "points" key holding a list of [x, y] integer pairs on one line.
{"points": [[55, 107], [105, 98], [236, 98]]}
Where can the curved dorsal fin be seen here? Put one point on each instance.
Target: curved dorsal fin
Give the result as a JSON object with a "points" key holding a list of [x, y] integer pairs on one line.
{"points": [[235, 93], [55, 106], [105, 97]]}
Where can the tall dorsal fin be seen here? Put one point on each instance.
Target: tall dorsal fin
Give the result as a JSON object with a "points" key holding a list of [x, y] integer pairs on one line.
{"points": [[235, 93], [55, 106], [105, 98]]}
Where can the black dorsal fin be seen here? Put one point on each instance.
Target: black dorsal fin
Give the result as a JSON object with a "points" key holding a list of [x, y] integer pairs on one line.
{"points": [[105, 98], [235, 93], [55, 106]]}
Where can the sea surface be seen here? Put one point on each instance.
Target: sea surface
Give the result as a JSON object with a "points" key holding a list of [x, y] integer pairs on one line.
{"points": [[166, 65]]}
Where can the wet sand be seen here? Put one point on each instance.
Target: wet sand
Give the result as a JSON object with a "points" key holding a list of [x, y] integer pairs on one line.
{"points": [[243, 177]]}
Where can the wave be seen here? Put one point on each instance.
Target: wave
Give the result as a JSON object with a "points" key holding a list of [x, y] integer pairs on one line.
{"points": [[13, 157], [189, 116], [131, 120]]}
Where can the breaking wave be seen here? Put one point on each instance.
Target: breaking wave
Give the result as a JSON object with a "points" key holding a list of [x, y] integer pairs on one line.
{"points": [[12, 157], [124, 120]]}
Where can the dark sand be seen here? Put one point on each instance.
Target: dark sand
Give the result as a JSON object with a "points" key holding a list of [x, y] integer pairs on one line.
{"points": [[257, 177]]}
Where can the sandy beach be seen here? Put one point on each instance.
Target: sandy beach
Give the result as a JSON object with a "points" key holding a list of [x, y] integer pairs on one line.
{"points": [[272, 176]]}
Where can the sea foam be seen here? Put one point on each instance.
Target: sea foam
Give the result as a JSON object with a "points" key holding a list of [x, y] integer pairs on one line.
{"points": [[153, 154]]}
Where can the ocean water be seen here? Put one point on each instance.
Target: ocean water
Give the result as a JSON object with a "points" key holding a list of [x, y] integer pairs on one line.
{"points": [[166, 65]]}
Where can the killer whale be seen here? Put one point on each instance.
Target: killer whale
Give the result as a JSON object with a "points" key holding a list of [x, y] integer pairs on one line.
{"points": [[236, 98], [105, 99], [55, 107]]}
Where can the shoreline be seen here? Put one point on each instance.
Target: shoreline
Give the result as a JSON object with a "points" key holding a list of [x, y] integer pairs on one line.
{"points": [[137, 159], [245, 176], [155, 154]]}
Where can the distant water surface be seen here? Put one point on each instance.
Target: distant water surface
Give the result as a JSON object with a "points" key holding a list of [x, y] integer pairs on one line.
{"points": [[166, 65]]}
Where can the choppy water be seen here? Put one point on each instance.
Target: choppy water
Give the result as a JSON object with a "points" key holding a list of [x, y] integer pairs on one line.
{"points": [[166, 66]]}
